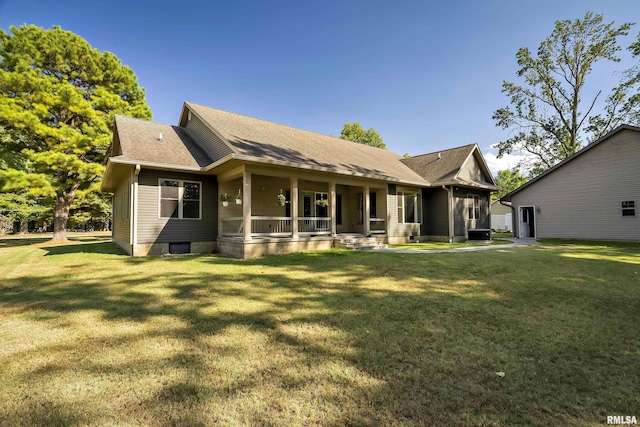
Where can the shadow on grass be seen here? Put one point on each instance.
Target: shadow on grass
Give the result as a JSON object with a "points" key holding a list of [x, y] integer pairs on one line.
{"points": [[102, 247], [14, 242], [27, 241], [430, 333]]}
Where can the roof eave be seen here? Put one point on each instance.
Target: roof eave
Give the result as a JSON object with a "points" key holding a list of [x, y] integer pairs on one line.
{"points": [[109, 177], [460, 183], [296, 165], [157, 165]]}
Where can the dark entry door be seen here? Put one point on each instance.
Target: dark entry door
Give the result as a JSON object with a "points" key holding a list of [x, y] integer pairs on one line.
{"points": [[306, 206]]}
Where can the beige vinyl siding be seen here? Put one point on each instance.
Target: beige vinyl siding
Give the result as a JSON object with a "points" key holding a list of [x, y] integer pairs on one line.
{"points": [[207, 139], [582, 198], [499, 209], [234, 210], [471, 170], [435, 208], [264, 193], [152, 229], [121, 215], [395, 230]]}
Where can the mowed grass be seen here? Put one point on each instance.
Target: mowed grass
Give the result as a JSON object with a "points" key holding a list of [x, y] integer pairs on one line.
{"points": [[502, 235], [439, 246], [89, 336]]}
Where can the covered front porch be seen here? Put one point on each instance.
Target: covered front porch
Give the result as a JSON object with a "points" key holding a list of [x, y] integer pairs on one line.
{"points": [[284, 210]]}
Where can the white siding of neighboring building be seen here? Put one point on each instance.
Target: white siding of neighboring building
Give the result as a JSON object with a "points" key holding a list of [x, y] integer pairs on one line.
{"points": [[501, 222], [582, 199]]}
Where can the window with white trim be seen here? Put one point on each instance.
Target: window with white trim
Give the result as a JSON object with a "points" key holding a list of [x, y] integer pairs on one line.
{"points": [[408, 205], [628, 208], [473, 206], [179, 199]]}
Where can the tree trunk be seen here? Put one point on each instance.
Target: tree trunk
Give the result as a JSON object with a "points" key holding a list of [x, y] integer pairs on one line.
{"points": [[61, 213], [24, 226], [105, 223]]}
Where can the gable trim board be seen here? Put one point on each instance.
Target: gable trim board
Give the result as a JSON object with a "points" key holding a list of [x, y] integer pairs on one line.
{"points": [[581, 197], [224, 150]]}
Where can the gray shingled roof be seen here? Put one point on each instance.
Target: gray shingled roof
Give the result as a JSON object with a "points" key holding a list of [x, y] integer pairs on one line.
{"points": [[265, 140], [443, 170], [139, 142], [258, 140]]}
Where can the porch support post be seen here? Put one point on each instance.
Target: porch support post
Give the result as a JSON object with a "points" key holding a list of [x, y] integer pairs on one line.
{"points": [[367, 210], [294, 207], [332, 203], [246, 204]]}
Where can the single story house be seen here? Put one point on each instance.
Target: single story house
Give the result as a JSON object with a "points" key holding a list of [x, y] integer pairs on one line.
{"points": [[593, 194], [501, 216], [245, 187]]}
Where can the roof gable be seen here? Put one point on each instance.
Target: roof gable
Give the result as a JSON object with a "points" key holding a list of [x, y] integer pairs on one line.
{"points": [[463, 165], [584, 150], [440, 166], [475, 168]]}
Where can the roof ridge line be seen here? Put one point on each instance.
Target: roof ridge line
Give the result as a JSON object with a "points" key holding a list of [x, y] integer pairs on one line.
{"points": [[143, 120], [442, 151]]}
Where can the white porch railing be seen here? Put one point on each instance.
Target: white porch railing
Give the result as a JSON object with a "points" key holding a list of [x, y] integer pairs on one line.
{"points": [[377, 225], [276, 226], [314, 225], [280, 226]]}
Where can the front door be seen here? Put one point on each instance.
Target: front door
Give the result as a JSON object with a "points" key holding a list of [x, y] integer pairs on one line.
{"points": [[307, 205], [527, 226]]}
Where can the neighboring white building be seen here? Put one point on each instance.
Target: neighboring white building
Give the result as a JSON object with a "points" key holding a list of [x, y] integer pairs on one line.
{"points": [[500, 217], [593, 194]]}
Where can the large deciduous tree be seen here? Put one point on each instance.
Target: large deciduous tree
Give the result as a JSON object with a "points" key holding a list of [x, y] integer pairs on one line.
{"points": [[549, 111], [508, 180], [60, 95], [623, 104], [355, 132]]}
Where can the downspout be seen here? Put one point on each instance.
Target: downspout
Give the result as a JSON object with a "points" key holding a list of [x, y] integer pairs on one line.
{"points": [[134, 210], [449, 211]]}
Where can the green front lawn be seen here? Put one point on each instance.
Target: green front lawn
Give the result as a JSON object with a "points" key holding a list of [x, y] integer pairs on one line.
{"points": [[436, 246], [501, 235], [90, 336]]}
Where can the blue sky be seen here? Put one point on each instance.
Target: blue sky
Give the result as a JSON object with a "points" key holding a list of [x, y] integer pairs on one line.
{"points": [[426, 75]]}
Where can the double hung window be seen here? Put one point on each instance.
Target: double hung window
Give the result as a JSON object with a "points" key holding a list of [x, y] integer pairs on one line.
{"points": [[473, 206], [408, 204], [628, 208], [180, 199]]}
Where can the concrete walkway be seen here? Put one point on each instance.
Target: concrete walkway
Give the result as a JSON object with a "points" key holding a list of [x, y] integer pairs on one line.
{"points": [[514, 243]]}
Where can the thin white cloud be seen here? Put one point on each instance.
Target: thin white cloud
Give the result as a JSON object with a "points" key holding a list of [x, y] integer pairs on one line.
{"points": [[507, 161]]}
